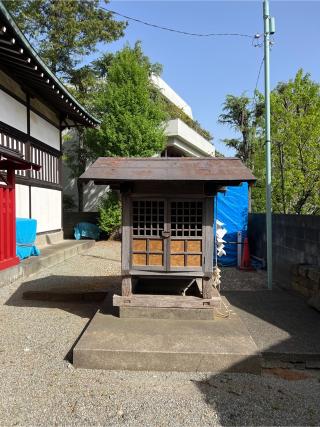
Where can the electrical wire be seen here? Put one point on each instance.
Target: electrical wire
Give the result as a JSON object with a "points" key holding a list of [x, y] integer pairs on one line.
{"points": [[173, 30], [254, 99], [259, 73]]}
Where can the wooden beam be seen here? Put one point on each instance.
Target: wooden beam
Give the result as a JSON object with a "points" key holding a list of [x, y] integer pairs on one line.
{"points": [[208, 236], [207, 287], [126, 234], [165, 301], [167, 275], [126, 286]]}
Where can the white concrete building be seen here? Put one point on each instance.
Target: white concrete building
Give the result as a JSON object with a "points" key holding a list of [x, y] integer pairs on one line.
{"points": [[186, 141], [182, 139]]}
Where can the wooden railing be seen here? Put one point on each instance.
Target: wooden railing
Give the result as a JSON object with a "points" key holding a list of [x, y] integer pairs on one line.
{"points": [[35, 151]]}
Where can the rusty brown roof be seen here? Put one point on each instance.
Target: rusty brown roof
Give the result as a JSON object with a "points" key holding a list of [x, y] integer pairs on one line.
{"points": [[226, 171]]}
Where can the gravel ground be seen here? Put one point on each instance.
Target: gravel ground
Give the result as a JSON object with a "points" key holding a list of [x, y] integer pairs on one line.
{"points": [[39, 386], [233, 279]]}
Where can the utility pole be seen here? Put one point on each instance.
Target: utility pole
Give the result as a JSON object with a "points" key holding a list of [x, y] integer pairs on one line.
{"points": [[269, 28]]}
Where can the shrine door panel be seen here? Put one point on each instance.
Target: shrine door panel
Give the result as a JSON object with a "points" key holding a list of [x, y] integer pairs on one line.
{"points": [[186, 235], [148, 245]]}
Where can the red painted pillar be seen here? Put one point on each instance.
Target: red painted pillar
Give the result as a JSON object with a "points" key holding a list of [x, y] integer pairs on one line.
{"points": [[8, 257]]}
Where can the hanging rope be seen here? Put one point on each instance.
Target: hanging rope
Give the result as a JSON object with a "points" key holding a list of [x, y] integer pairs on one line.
{"points": [[216, 275]]}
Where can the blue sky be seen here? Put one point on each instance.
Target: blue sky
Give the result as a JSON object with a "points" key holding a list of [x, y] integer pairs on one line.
{"points": [[204, 70]]}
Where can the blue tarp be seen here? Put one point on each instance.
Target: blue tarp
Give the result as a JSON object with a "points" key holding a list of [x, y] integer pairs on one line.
{"points": [[26, 230], [232, 210], [86, 230]]}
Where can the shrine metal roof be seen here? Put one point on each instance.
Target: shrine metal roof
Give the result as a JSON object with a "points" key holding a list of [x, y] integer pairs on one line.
{"points": [[225, 171]]}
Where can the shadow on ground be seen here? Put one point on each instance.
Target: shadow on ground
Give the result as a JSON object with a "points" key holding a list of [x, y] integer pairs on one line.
{"points": [[79, 295], [286, 331]]}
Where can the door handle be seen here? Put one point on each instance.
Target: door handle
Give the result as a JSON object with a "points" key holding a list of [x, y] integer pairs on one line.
{"points": [[165, 234]]}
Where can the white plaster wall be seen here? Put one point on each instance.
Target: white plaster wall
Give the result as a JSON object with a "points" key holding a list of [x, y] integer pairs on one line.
{"points": [[13, 112], [45, 110], [44, 131], [22, 201], [46, 208]]}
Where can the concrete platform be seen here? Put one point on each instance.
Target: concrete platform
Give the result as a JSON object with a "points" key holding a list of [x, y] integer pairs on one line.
{"points": [[166, 313], [50, 255], [285, 329], [221, 345]]}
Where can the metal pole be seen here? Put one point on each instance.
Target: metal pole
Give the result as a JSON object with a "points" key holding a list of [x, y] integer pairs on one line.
{"points": [[266, 18]]}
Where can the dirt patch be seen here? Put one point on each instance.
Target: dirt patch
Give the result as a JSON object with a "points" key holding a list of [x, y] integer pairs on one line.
{"points": [[288, 374]]}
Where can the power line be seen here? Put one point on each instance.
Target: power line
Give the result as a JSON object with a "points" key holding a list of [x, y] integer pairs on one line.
{"points": [[257, 81], [174, 30]]}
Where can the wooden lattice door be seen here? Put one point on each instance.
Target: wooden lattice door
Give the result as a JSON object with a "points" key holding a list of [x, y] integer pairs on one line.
{"points": [[186, 235], [148, 233], [167, 235]]}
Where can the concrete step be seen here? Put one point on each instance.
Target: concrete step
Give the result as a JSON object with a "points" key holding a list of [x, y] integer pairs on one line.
{"points": [[50, 256], [221, 345], [49, 238], [166, 313], [55, 254]]}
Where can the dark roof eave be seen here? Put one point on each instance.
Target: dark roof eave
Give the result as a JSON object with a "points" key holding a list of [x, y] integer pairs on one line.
{"points": [[78, 113]]}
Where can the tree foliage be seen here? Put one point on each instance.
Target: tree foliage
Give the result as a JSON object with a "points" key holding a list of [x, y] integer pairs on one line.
{"points": [[295, 125], [295, 131], [244, 117], [110, 213], [64, 32], [131, 109]]}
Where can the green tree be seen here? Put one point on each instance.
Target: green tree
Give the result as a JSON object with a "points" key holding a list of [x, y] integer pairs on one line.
{"points": [[295, 122], [244, 117], [64, 32], [110, 213], [131, 109]]}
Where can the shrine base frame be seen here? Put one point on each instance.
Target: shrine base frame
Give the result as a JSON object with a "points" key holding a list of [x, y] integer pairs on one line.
{"points": [[172, 230]]}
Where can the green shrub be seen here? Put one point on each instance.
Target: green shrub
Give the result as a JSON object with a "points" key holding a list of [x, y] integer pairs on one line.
{"points": [[109, 213]]}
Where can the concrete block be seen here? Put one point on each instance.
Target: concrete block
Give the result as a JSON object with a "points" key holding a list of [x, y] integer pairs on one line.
{"points": [[167, 345], [50, 256], [314, 273], [49, 238], [305, 282], [10, 275], [314, 301], [301, 289], [166, 313], [311, 248], [294, 269], [313, 364], [311, 234], [54, 238]]}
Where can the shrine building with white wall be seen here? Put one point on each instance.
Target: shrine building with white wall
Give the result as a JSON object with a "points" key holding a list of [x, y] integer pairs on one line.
{"points": [[35, 108]]}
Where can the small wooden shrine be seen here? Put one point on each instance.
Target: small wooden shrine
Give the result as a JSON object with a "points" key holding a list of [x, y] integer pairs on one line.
{"points": [[167, 222]]}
